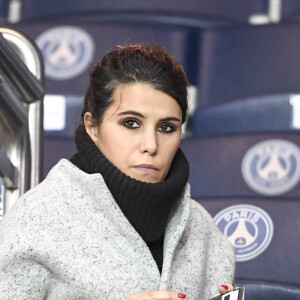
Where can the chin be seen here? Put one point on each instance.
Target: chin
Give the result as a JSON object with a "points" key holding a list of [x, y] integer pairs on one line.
{"points": [[147, 179]]}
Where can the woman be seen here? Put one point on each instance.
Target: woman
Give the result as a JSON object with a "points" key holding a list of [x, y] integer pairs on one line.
{"points": [[117, 221]]}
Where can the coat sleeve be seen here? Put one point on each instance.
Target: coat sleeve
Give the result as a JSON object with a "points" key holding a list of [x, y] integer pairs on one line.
{"points": [[22, 274], [23, 279]]}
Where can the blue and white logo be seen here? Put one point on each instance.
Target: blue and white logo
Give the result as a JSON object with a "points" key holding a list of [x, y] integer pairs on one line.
{"points": [[249, 229], [272, 167], [67, 51]]}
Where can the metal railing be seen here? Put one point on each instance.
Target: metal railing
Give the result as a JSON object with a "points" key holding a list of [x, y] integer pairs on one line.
{"points": [[21, 115]]}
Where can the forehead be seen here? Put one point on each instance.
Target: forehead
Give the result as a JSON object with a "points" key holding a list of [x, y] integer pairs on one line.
{"points": [[145, 99]]}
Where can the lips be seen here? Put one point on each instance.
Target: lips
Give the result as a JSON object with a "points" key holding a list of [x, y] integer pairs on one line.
{"points": [[149, 169]]}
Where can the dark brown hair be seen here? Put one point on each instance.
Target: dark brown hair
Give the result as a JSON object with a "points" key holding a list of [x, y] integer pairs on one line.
{"points": [[131, 64]]}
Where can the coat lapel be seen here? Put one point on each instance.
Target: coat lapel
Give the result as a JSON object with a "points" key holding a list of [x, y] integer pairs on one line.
{"points": [[174, 231]]}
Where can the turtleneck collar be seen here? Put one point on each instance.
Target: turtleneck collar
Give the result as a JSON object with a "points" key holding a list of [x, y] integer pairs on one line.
{"points": [[145, 205]]}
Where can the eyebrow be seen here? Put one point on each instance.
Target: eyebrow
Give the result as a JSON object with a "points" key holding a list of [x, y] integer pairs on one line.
{"points": [[135, 113], [131, 112]]}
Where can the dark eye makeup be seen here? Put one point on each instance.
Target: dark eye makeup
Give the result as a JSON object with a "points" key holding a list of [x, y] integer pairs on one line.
{"points": [[132, 123], [166, 128]]}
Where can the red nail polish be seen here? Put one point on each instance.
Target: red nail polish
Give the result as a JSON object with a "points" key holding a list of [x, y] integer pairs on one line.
{"points": [[225, 286], [180, 295]]}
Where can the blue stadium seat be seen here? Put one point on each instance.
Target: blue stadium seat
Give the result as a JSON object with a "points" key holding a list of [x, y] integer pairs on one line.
{"points": [[3, 10], [248, 62], [247, 75], [106, 36], [229, 10], [290, 10], [260, 114], [56, 148], [250, 184]]}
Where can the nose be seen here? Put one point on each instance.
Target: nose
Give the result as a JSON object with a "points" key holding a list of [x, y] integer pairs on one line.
{"points": [[148, 143]]}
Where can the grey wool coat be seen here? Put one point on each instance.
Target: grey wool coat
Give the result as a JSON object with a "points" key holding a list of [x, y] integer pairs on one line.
{"points": [[68, 239]]}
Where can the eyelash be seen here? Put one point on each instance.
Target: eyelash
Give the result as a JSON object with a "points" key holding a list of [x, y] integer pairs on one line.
{"points": [[172, 128], [126, 121]]}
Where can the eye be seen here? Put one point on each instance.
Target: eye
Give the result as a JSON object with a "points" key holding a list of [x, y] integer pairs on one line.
{"points": [[130, 123], [166, 128]]}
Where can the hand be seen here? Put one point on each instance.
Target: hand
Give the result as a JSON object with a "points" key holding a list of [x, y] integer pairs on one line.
{"points": [[225, 288], [162, 294]]}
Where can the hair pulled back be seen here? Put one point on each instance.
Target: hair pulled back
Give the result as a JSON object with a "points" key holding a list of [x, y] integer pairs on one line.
{"points": [[134, 64]]}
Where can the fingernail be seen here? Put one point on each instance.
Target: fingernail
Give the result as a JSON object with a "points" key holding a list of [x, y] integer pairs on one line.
{"points": [[180, 295], [225, 286]]}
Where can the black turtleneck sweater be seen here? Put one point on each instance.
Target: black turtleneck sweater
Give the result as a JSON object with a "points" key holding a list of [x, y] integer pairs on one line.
{"points": [[145, 205]]}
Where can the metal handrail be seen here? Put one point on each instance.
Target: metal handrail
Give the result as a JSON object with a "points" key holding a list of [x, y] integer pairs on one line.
{"points": [[22, 98]]}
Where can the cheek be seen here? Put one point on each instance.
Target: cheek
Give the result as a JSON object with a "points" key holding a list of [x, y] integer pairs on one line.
{"points": [[108, 137], [170, 150], [114, 146]]}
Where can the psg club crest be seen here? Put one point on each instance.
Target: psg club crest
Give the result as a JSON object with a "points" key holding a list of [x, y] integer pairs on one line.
{"points": [[272, 167], [67, 51], [248, 228]]}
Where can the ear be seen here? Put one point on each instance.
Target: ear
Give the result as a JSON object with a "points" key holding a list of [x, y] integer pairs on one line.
{"points": [[90, 127]]}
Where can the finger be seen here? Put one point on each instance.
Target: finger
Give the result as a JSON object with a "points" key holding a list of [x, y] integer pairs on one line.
{"points": [[225, 288], [164, 294], [179, 295]]}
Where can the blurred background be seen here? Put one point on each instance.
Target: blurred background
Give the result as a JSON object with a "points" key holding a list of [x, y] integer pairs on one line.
{"points": [[242, 136]]}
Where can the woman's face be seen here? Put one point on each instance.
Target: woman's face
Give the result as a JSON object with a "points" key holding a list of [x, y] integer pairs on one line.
{"points": [[140, 132]]}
